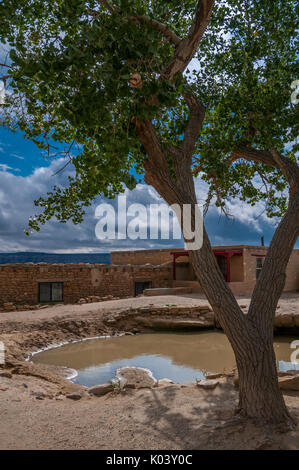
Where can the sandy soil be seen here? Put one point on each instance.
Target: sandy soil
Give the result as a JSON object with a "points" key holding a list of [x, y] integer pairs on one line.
{"points": [[289, 303], [171, 417], [36, 413]]}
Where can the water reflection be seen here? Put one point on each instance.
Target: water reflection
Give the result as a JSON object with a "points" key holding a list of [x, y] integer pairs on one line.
{"points": [[181, 357]]}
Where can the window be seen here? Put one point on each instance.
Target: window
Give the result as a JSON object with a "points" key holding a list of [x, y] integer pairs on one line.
{"points": [[50, 291], [259, 265], [140, 286]]}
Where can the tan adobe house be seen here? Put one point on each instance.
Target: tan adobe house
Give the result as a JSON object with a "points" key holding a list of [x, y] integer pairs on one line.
{"points": [[133, 272], [240, 265]]}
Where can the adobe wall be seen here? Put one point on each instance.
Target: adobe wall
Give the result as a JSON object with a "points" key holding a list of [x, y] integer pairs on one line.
{"points": [[292, 271], [237, 268], [292, 280], [156, 257], [243, 272], [19, 282]]}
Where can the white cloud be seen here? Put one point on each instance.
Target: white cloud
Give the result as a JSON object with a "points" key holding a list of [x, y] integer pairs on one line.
{"points": [[17, 194], [16, 156], [4, 168]]}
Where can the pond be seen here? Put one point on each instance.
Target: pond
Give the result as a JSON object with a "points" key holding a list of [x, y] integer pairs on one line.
{"points": [[181, 357]]}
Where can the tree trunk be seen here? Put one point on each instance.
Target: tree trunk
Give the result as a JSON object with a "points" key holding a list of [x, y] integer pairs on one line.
{"points": [[259, 395], [251, 335]]}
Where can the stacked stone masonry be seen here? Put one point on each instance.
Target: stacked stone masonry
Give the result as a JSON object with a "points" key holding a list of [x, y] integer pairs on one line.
{"points": [[19, 283]]}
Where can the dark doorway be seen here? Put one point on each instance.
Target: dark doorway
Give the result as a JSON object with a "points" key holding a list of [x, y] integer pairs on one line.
{"points": [[50, 291], [140, 286]]}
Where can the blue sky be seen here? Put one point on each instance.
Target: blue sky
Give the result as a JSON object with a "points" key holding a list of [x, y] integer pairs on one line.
{"points": [[25, 174], [21, 155]]}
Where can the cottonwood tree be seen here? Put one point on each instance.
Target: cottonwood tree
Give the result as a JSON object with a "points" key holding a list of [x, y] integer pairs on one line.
{"points": [[110, 78]]}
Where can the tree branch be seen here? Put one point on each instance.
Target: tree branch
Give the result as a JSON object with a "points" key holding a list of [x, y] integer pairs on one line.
{"points": [[251, 154], [150, 141], [188, 46], [108, 7], [271, 282], [197, 114], [289, 168], [162, 28]]}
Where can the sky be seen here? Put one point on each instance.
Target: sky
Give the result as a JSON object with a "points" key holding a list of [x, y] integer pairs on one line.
{"points": [[25, 175]]}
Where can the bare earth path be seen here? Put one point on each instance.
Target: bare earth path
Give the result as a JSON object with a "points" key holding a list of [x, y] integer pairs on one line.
{"points": [[289, 303], [36, 414], [172, 417]]}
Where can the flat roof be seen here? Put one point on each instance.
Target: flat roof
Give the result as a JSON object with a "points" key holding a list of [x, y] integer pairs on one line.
{"points": [[168, 250]]}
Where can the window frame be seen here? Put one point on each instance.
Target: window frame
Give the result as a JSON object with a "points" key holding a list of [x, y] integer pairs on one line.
{"points": [[50, 283], [258, 267]]}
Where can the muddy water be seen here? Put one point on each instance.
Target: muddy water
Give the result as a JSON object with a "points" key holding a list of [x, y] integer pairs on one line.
{"points": [[181, 357]]}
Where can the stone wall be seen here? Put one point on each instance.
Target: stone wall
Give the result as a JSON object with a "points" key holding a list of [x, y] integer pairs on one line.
{"points": [[156, 257], [19, 283], [292, 271]]}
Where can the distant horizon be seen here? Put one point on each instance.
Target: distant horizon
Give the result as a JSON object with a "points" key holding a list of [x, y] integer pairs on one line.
{"points": [[23, 257]]}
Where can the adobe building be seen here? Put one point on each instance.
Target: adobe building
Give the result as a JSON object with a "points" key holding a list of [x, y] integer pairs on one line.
{"points": [[240, 265], [131, 273], [44, 283]]}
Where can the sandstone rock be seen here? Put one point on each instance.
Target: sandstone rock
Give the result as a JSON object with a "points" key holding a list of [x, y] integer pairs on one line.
{"points": [[3, 388], [283, 374], [75, 396], [214, 376], [284, 321], [39, 395], [60, 397], [6, 373], [208, 384], [138, 376], [163, 382], [100, 390], [9, 307], [293, 372], [289, 383], [288, 373], [170, 323]]}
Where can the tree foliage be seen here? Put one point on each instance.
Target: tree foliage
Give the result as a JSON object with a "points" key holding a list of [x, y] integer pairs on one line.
{"points": [[72, 62], [248, 61]]}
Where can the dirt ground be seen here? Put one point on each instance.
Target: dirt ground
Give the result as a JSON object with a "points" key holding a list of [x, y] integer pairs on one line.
{"points": [[172, 417], [289, 303], [37, 414]]}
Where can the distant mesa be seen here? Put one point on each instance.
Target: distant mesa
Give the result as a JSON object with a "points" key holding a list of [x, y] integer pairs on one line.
{"points": [[54, 258]]}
